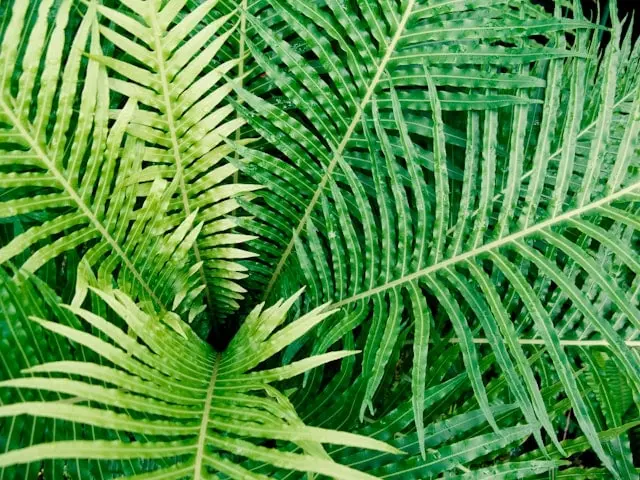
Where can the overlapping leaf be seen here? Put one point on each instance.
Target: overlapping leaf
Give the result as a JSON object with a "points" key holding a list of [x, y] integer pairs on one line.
{"points": [[166, 59], [440, 172], [531, 225], [70, 172]]}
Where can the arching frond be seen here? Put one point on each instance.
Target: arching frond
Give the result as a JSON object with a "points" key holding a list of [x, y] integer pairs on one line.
{"points": [[340, 56], [173, 400], [456, 183]]}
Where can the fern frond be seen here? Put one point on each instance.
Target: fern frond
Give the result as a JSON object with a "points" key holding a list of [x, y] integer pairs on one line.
{"points": [[456, 183], [482, 236], [335, 110], [23, 344], [73, 172], [168, 65], [184, 405]]}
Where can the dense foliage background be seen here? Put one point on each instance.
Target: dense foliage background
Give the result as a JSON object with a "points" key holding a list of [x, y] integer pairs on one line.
{"points": [[345, 239]]}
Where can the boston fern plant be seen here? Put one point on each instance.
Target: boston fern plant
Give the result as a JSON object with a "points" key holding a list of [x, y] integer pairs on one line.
{"points": [[250, 239]]}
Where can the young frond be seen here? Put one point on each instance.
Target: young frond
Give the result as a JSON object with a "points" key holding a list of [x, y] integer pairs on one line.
{"points": [[70, 172]]}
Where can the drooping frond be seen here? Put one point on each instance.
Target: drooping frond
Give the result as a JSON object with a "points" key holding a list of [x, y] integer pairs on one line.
{"points": [[456, 436], [522, 226], [167, 62], [69, 172], [161, 394]]}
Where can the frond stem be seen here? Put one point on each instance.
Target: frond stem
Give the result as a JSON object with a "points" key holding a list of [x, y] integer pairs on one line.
{"points": [[202, 435], [565, 343]]}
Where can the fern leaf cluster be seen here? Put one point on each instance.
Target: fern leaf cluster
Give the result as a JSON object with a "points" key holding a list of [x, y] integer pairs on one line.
{"points": [[410, 229]]}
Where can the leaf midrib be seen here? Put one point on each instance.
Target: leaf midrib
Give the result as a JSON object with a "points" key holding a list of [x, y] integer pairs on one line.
{"points": [[87, 212], [493, 245], [338, 153], [202, 435]]}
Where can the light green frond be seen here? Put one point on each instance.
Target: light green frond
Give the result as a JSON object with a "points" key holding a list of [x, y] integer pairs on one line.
{"points": [[170, 68], [167, 397], [64, 161]]}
